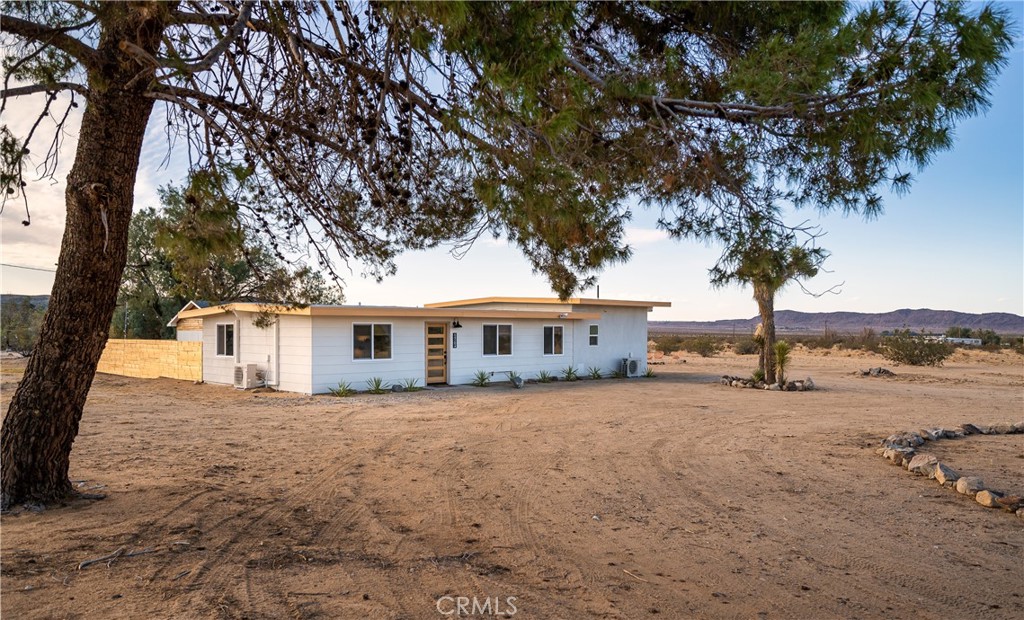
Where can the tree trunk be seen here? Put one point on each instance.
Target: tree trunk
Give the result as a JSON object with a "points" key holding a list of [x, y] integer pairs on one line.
{"points": [[42, 421], [765, 298]]}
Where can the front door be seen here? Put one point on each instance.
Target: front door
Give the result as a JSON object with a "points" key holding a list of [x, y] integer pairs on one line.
{"points": [[437, 353]]}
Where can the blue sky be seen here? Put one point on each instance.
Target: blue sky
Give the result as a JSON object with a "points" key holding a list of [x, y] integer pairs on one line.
{"points": [[955, 242]]}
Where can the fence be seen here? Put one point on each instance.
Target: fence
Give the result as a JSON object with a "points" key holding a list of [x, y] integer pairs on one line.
{"points": [[149, 359]]}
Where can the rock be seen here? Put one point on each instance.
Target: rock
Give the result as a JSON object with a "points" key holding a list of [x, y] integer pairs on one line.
{"points": [[1018, 427], [988, 498], [923, 464], [1001, 429], [898, 455], [397, 388], [928, 433], [909, 440], [1020, 513], [970, 429], [1011, 503], [725, 381], [791, 386], [945, 474], [969, 485], [809, 385], [775, 387]]}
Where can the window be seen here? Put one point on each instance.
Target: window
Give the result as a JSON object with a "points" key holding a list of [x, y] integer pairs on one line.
{"points": [[593, 335], [226, 339], [371, 341], [552, 340], [497, 340]]}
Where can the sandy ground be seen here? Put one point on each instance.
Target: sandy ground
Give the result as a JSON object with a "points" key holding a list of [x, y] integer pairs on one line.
{"points": [[612, 499]]}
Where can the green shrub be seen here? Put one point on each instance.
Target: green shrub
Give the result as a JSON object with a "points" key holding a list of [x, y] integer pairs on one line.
{"points": [[617, 374], [344, 389], [482, 378], [544, 377], [704, 346], [902, 347], [757, 375], [570, 373], [411, 385], [377, 385], [595, 373], [668, 344], [746, 346], [649, 373], [828, 339], [867, 340], [782, 350]]}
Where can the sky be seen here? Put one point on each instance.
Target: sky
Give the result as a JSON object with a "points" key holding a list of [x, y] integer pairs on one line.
{"points": [[954, 242]]}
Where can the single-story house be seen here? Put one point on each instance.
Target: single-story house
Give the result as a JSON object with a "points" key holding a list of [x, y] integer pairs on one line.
{"points": [[311, 349], [189, 329]]}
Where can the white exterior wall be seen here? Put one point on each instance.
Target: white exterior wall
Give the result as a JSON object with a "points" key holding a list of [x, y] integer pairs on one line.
{"points": [[332, 353], [622, 332], [254, 345], [527, 357]]}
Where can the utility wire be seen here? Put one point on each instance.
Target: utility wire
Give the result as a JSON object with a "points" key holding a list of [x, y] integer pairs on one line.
{"points": [[29, 268]]}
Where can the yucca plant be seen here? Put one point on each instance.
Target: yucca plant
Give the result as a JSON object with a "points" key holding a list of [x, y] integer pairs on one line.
{"points": [[595, 373], [344, 389], [377, 385], [782, 350], [482, 378], [515, 379], [618, 374], [570, 373], [411, 385], [544, 377], [649, 373]]}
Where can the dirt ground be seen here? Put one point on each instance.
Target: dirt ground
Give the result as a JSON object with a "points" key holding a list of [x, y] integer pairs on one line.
{"points": [[669, 497]]}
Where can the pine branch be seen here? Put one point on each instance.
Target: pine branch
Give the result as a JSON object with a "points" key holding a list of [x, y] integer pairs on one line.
{"points": [[32, 31]]}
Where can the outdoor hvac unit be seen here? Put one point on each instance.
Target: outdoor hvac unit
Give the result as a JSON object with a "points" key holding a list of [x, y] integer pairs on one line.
{"points": [[630, 367], [247, 377]]}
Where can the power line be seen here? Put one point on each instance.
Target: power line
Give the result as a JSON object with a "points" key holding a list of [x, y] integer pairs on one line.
{"points": [[29, 268]]}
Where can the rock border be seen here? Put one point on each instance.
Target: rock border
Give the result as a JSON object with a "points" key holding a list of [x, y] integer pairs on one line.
{"points": [[901, 449], [746, 382]]}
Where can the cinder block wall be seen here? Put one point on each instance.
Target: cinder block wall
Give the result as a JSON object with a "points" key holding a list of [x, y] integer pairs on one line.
{"points": [[149, 359]]}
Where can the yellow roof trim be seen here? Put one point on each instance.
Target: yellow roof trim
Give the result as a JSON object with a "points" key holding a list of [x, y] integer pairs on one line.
{"points": [[573, 301], [389, 311]]}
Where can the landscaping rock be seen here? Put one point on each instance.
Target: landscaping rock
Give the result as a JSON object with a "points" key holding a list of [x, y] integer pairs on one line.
{"points": [[969, 485], [1001, 429], [923, 464], [1011, 503], [988, 498], [928, 433], [945, 474], [898, 455], [1020, 513], [809, 385], [775, 387], [1018, 427], [970, 429], [877, 372]]}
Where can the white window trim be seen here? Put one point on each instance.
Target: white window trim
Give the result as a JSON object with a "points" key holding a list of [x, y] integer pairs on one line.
{"points": [[545, 342], [497, 335], [234, 340], [372, 357], [591, 335]]}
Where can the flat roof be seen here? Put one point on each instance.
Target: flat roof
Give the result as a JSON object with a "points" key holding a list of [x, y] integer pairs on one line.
{"points": [[387, 311], [572, 301]]}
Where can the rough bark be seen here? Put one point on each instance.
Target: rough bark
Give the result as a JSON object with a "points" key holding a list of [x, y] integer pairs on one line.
{"points": [[765, 298], [43, 418]]}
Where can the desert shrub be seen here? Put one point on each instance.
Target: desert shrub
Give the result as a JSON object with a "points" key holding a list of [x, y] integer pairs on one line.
{"points": [[668, 344], [704, 346], [867, 340], [595, 373], [570, 373], [757, 375], [746, 346], [782, 350], [344, 389], [482, 378], [828, 339], [649, 373], [377, 385], [903, 347], [544, 377]]}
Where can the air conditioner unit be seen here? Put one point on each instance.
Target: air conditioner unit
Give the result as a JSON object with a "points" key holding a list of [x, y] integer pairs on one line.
{"points": [[247, 377], [630, 367]]}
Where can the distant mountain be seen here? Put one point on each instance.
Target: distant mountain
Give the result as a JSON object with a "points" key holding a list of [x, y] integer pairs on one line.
{"points": [[38, 301], [791, 321]]}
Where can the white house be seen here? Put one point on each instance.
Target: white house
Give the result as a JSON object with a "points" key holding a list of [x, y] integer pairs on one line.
{"points": [[310, 350]]}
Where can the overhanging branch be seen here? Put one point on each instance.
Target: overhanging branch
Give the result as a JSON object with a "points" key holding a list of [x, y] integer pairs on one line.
{"points": [[31, 89], [26, 29]]}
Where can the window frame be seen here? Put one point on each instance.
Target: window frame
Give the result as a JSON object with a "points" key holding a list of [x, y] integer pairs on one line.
{"points": [[497, 339], [373, 336], [221, 349], [594, 334], [544, 336]]}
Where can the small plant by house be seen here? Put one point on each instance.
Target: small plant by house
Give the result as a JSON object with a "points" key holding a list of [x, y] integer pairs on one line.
{"points": [[595, 373], [903, 347], [344, 389], [545, 377], [618, 374], [482, 378], [649, 373], [570, 373], [411, 385], [515, 379], [377, 385]]}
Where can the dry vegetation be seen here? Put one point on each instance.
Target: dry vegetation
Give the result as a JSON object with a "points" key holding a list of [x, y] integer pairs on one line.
{"points": [[612, 498]]}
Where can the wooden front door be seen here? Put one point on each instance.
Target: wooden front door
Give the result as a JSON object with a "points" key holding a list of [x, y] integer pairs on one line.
{"points": [[437, 353]]}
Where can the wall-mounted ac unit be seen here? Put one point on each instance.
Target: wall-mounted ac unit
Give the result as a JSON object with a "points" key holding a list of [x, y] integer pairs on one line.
{"points": [[247, 376], [630, 367]]}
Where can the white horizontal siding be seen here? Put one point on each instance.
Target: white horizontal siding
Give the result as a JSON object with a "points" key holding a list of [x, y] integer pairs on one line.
{"points": [[622, 332], [332, 353], [527, 357]]}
